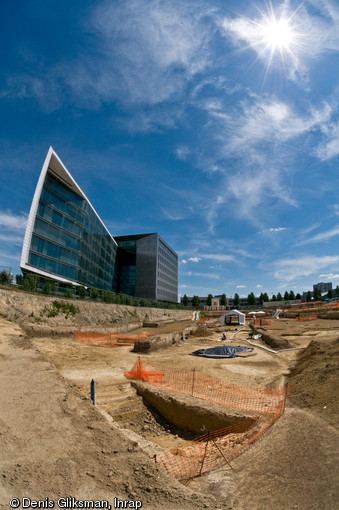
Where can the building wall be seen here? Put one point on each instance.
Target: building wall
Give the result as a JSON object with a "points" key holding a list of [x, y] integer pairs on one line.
{"points": [[66, 239], [151, 264], [146, 264], [125, 267], [323, 287], [167, 272]]}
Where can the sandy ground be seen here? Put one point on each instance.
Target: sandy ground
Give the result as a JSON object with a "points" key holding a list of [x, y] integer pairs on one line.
{"points": [[56, 443]]}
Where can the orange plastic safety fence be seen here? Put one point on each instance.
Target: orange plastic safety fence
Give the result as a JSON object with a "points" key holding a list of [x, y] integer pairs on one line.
{"points": [[113, 339], [262, 322], [207, 387], [307, 318], [211, 450], [216, 447]]}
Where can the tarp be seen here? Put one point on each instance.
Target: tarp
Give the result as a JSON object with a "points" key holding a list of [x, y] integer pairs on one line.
{"points": [[221, 351]]}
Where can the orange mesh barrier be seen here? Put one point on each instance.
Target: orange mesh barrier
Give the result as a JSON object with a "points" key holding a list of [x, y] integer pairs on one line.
{"points": [[113, 339], [206, 387], [214, 448], [140, 372], [262, 322], [307, 318]]}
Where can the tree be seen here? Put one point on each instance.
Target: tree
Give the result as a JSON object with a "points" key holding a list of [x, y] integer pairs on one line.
{"points": [[108, 296], [195, 301], [330, 294], [337, 291], [298, 296], [236, 300], [30, 282], [5, 277], [274, 298], [185, 300], [286, 296], [291, 295], [19, 279], [48, 288], [263, 298], [317, 294], [223, 300], [251, 299], [81, 292], [94, 293], [309, 296], [279, 297], [69, 293], [209, 300]]}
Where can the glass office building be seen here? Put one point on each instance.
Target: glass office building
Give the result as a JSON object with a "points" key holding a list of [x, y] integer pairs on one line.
{"points": [[65, 238], [146, 267], [66, 241]]}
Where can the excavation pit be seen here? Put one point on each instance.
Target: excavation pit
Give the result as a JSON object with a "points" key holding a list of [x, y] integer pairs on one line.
{"points": [[190, 414]]}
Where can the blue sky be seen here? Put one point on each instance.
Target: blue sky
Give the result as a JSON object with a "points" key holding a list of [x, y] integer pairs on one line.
{"points": [[213, 123]]}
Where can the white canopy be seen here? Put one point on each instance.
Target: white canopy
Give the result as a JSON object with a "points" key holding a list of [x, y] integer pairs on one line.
{"points": [[241, 316]]}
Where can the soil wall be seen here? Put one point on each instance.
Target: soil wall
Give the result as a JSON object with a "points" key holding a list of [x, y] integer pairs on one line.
{"points": [[35, 312], [187, 413]]}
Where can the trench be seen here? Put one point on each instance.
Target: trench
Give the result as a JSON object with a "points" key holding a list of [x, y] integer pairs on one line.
{"points": [[169, 420]]}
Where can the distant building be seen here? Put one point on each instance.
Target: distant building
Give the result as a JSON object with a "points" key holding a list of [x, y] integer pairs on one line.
{"points": [[66, 241], [323, 287]]}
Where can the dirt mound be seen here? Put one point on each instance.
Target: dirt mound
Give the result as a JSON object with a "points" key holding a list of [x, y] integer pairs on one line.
{"points": [[314, 379]]}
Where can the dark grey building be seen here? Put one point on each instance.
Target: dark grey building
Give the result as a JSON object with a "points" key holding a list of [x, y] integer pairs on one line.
{"points": [[146, 267], [323, 287]]}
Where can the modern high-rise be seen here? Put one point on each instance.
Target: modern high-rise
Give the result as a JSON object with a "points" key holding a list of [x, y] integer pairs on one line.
{"points": [[146, 266], [66, 241]]}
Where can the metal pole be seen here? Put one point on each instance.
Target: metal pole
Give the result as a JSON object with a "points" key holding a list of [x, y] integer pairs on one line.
{"points": [[193, 370], [203, 460], [92, 392]]}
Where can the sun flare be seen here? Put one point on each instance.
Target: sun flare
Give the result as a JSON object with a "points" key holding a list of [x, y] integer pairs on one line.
{"points": [[278, 34]]}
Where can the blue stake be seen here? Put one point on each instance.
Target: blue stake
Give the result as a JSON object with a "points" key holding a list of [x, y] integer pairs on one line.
{"points": [[92, 392]]}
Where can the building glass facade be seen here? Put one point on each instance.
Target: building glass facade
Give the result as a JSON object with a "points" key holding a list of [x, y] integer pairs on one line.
{"points": [[68, 240], [65, 240], [147, 267]]}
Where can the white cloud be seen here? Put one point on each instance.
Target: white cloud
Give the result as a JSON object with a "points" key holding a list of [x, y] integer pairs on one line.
{"points": [[329, 148], [140, 52], [322, 237], [194, 259], [12, 229], [273, 229], [13, 221], [329, 276], [203, 275], [149, 49], [267, 119], [182, 152], [241, 286], [219, 257], [295, 268]]}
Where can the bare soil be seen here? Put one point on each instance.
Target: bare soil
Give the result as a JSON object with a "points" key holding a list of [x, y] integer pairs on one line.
{"points": [[55, 443]]}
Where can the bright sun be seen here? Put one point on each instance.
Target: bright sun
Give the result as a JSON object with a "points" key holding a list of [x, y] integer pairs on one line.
{"points": [[278, 34]]}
